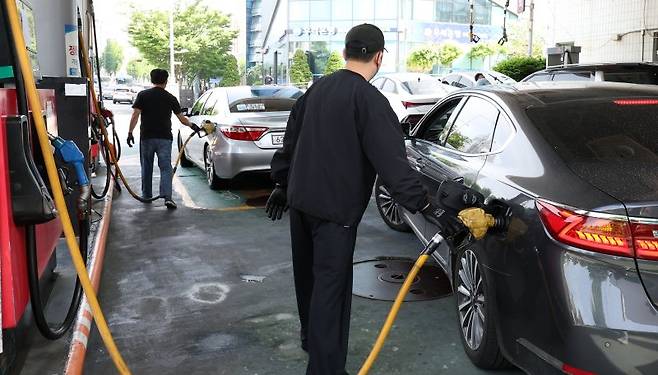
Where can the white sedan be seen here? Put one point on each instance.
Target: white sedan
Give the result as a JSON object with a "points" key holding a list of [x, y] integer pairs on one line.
{"points": [[411, 94]]}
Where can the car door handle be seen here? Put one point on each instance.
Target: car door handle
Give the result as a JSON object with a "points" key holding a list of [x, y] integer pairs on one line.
{"points": [[418, 163], [459, 179]]}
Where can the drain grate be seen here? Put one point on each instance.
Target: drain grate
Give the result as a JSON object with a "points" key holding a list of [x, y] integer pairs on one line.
{"points": [[381, 279]]}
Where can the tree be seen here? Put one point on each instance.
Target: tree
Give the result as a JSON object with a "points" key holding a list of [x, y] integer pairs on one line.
{"points": [[231, 72], [422, 59], [518, 41], [139, 69], [112, 57], [300, 72], [519, 67], [480, 52], [448, 53], [334, 63], [203, 39]]}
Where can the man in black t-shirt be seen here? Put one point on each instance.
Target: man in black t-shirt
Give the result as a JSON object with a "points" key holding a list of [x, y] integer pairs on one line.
{"points": [[155, 106]]}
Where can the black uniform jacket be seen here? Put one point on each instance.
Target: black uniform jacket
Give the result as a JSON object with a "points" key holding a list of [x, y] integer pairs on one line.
{"points": [[341, 133]]}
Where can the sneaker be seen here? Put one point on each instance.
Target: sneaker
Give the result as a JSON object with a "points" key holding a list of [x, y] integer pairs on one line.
{"points": [[170, 204]]}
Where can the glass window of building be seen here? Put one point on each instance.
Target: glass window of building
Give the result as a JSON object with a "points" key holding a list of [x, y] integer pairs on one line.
{"points": [[320, 9], [423, 10], [482, 10], [444, 10], [341, 9], [386, 9], [299, 10], [364, 10], [461, 12]]}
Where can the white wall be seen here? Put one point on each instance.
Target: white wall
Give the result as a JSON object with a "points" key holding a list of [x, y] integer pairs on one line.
{"points": [[50, 17], [594, 24]]}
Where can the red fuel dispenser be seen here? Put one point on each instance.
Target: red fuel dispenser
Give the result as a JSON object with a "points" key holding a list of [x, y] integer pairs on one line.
{"points": [[13, 262]]}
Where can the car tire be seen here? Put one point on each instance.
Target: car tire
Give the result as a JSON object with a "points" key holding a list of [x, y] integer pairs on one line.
{"points": [[114, 102], [389, 210], [184, 161], [476, 316], [214, 182]]}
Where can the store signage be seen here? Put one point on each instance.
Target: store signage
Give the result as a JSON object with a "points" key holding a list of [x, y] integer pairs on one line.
{"points": [[435, 32], [320, 31]]}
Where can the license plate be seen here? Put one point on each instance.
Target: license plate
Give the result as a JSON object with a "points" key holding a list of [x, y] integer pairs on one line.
{"points": [[277, 139]]}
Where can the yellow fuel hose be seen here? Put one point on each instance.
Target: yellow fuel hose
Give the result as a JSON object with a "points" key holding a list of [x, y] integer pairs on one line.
{"points": [[53, 177], [390, 319]]}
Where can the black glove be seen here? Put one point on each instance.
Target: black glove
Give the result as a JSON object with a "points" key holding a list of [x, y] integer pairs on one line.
{"points": [[277, 204], [131, 140], [195, 128], [450, 227]]}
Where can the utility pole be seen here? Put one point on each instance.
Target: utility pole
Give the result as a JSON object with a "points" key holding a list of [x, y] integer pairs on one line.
{"points": [[172, 62], [531, 27]]}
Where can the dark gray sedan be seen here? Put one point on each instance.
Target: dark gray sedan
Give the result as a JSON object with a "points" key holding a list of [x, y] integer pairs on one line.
{"points": [[572, 286]]}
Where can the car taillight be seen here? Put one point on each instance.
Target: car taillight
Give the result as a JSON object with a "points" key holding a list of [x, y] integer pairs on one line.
{"points": [[242, 133], [645, 239], [411, 104], [588, 232], [636, 101], [571, 370]]}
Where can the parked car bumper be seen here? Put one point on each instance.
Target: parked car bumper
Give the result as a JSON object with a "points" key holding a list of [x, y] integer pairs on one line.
{"points": [[232, 158], [602, 319]]}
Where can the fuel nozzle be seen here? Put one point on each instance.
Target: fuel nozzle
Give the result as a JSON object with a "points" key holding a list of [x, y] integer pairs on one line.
{"points": [[478, 221], [69, 152], [207, 127]]}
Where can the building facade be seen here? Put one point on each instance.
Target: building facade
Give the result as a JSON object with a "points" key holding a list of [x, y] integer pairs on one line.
{"points": [[606, 30], [277, 28]]}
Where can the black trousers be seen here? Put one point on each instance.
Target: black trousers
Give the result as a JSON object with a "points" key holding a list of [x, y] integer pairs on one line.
{"points": [[322, 262]]}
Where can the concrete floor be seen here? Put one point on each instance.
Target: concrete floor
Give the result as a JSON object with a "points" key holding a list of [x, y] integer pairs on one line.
{"points": [[174, 294]]}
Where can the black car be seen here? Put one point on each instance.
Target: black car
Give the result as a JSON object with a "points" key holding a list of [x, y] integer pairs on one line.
{"points": [[639, 73], [572, 285]]}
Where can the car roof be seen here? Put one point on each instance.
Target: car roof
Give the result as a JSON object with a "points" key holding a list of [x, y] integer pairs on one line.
{"points": [[525, 94], [599, 66], [402, 77]]}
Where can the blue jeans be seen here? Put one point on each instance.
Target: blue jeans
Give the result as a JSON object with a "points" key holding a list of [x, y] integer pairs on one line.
{"points": [[148, 148]]}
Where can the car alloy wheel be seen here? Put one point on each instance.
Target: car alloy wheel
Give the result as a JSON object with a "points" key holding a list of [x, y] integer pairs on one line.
{"points": [[388, 205], [389, 210], [471, 300], [213, 181]]}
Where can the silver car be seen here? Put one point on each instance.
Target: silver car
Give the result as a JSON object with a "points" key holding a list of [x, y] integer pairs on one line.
{"points": [[249, 123]]}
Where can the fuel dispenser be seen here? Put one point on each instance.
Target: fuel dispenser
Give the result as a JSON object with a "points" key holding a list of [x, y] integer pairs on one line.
{"points": [[30, 228]]}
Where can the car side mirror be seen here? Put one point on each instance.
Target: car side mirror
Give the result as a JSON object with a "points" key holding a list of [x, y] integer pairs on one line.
{"points": [[406, 127], [184, 111]]}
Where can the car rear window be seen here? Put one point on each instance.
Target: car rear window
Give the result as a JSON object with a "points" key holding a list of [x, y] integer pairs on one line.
{"points": [[596, 131], [613, 146], [422, 87], [266, 99], [640, 77]]}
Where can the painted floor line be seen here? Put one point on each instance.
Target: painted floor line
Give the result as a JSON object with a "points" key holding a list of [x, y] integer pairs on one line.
{"points": [[187, 198]]}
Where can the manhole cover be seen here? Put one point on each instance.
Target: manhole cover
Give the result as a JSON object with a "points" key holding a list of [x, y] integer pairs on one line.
{"points": [[382, 278]]}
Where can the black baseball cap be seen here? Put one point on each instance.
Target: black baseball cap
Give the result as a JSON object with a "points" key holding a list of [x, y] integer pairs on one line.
{"points": [[364, 39]]}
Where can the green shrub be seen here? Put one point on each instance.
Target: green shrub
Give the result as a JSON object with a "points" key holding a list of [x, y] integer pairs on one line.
{"points": [[519, 67], [300, 72], [334, 63]]}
